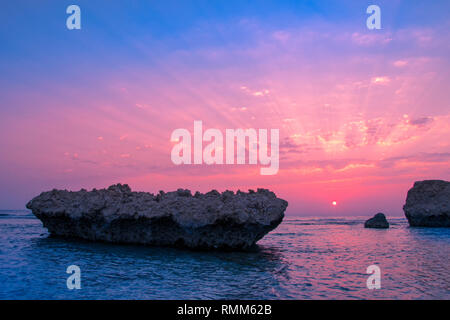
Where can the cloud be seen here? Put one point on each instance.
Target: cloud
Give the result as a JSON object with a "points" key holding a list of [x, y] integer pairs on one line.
{"points": [[380, 80], [366, 40], [400, 63], [281, 36], [261, 93], [418, 158], [421, 122], [258, 93], [239, 109]]}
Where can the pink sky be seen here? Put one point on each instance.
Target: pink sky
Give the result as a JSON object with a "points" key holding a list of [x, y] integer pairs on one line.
{"points": [[361, 116]]}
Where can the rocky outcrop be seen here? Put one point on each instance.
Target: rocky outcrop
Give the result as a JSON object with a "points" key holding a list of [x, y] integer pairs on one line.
{"points": [[377, 221], [428, 204], [210, 220]]}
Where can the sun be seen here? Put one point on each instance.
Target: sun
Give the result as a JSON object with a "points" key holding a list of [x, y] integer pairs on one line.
{"points": [[334, 203]]}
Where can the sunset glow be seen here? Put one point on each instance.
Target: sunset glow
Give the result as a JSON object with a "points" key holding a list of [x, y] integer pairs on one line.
{"points": [[362, 114]]}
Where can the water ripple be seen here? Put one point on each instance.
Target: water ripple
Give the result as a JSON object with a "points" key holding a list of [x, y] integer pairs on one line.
{"points": [[304, 258]]}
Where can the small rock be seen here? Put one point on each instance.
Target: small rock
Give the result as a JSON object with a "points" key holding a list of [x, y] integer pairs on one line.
{"points": [[378, 221]]}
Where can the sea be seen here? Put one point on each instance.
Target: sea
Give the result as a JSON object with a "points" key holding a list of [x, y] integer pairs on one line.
{"points": [[304, 258]]}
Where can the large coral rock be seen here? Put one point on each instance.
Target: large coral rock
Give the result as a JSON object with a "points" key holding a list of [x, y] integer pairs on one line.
{"points": [[428, 204], [116, 214]]}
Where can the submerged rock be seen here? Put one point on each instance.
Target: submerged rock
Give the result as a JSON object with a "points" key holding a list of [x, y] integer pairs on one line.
{"points": [[116, 214], [428, 204], [377, 221]]}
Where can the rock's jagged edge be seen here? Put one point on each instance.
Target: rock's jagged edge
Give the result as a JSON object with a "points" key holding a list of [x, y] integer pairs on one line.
{"points": [[428, 204], [210, 221]]}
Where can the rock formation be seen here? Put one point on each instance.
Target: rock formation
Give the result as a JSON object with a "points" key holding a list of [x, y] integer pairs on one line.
{"points": [[428, 204], [210, 220], [377, 221]]}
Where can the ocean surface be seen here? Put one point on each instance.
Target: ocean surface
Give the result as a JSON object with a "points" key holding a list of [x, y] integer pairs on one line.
{"points": [[304, 258]]}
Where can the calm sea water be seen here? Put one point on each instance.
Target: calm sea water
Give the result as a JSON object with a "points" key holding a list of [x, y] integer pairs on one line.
{"points": [[304, 258]]}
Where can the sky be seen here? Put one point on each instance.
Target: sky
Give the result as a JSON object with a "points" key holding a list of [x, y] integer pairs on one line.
{"points": [[362, 114]]}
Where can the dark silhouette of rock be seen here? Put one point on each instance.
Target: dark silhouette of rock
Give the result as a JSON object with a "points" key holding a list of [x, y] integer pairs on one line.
{"points": [[211, 220], [377, 221], [428, 204]]}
